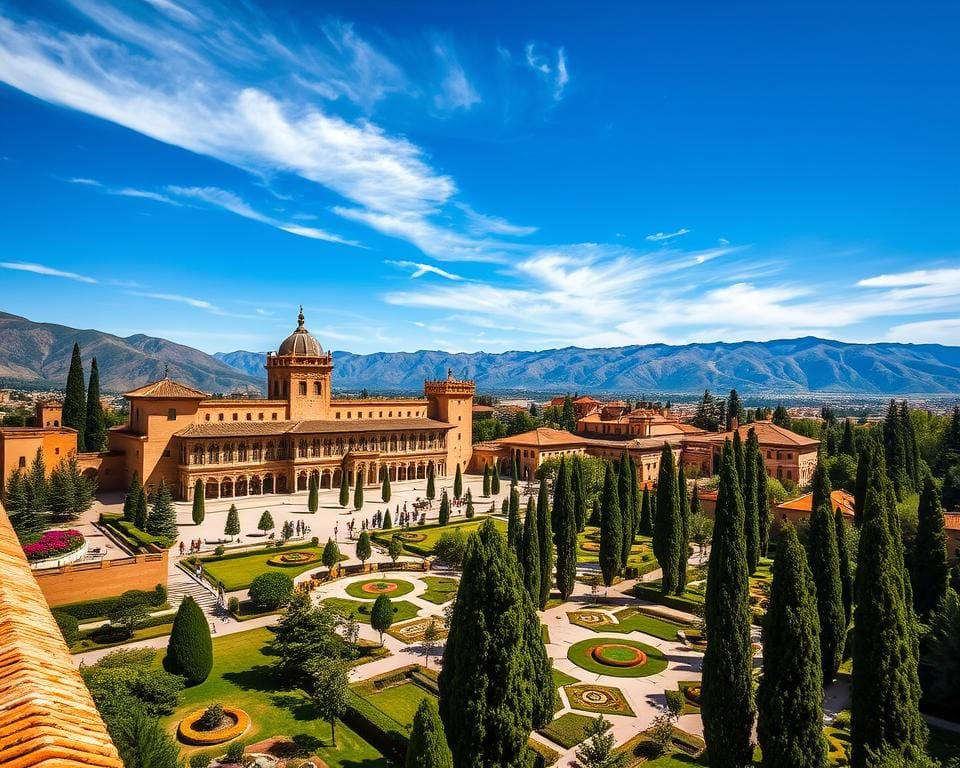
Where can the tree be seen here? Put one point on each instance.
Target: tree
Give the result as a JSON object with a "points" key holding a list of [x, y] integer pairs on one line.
{"points": [[385, 491], [495, 684], [232, 527], [128, 612], [846, 575], [313, 494], [199, 508], [451, 547], [395, 548], [726, 699], [707, 415], [458, 483], [790, 696], [568, 417], [763, 504], [163, 517], [271, 590], [190, 649], [646, 519], [825, 566], [565, 532], [513, 520], [131, 497], [381, 615], [358, 492], [142, 741], [740, 456], [427, 747], [431, 488], [495, 480], [305, 632], [864, 458], [344, 488], [444, 508], [948, 451], [611, 529], [625, 494], [597, 750], [363, 548], [469, 511], [141, 513], [751, 524], [684, 530], [940, 660], [735, 412], [847, 445], [486, 480], [329, 684], [27, 497], [74, 411], [387, 521], [286, 533], [530, 562], [885, 643], [930, 567], [544, 544], [95, 432], [331, 555], [266, 522], [780, 417], [668, 528], [70, 493], [579, 494]]}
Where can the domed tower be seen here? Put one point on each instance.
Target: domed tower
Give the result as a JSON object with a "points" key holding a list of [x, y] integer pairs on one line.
{"points": [[300, 374]]}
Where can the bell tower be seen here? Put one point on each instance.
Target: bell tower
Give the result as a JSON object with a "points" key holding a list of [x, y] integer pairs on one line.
{"points": [[451, 400], [300, 373]]}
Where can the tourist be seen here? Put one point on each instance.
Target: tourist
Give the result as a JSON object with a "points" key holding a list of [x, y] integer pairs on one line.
{"points": [[181, 549]]}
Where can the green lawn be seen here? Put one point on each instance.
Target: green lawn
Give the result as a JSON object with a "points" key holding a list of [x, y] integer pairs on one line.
{"points": [[641, 553], [140, 634], [400, 702], [236, 573], [580, 654], [431, 534], [561, 679], [634, 620], [242, 677], [567, 730], [356, 589], [440, 589], [352, 608]]}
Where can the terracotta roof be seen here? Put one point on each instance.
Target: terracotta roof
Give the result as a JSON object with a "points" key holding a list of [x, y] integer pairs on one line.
{"points": [[312, 427], [585, 399], [804, 503], [483, 409], [543, 437], [951, 522], [236, 428], [167, 389], [47, 717], [768, 433]]}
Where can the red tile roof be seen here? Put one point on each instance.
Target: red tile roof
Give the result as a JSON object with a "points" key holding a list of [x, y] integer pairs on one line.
{"points": [[543, 437], [804, 503], [167, 389], [768, 433]]}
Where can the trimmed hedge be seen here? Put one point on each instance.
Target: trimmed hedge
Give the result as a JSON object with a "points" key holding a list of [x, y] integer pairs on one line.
{"points": [[69, 626], [652, 594], [97, 609], [248, 552], [383, 732], [190, 649]]}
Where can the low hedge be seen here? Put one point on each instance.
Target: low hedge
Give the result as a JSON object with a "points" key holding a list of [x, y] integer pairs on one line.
{"points": [[383, 732], [132, 535], [652, 594], [150, 621], [248, 552], [96, 609]]}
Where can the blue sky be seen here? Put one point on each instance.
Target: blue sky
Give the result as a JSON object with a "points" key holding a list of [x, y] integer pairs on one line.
{"points": [[482, 176]]}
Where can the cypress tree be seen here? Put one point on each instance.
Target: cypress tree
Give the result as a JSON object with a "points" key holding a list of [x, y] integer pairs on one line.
{"points": [[232, 526], [131, 499], [625, 494], [444, 508], [735, 410], [911, 448], [726, 699], [427, 747], [190, 648], [637, 494], [825, 566], [431, 488], [381, 615], [930, 567], [846, 442], [458, 483], [565, 533], [95, 432], [358, 492], [790, 696], [469, 512], [667, 528], [163, 517], [495, 480], [846, 575], [695, 508], [513, 520], [141, 514], [763, 506], [885, 702], [199, 507], [74, 413], [313, 494], [751, 525], [611, 530], [568, 417], [579, 494], [344, 487], [515, 473], [820, 486], [544, 544], [388, 521], [895, 450], [531, 553], [646, 518], [740, 457], [860, 486], [684, 530], [495, 682], [486, 480]]}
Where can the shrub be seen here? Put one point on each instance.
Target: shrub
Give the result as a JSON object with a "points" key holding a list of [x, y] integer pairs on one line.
{"points": [[675, 701], [315, 542], [69, 626], [451, 547], [212, 717], [842, 720], [190, 649], [199, 761], [218, 552], [233, 605], [269, 591], [235, 752]]}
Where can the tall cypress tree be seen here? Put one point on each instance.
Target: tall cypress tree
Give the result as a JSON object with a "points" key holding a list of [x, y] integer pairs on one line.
{"points": [[930, 566], [427, 747], [846, 575], [95, 432], [565, 534], [740, 457], [646, 518], [735, 411], [531, 553], [141, 512], [820, 486], [199, 507], [751, 525], [515, 477], [486, 479], [611, 528], [458, 483], [313, 494], [495, 479], [358, 492], [684, 530], [847, 445], [579, 494], [885, 702], [386, 492], [545, 543], [667, 528], [74, 413], [860, 486], [726, 699], [825, 566], [763, 505], [625, 494], [695, 508], [513, 521], [344, 487], [895, 450], [790, 696], [495, 683], [131, 499], [444, 516]]}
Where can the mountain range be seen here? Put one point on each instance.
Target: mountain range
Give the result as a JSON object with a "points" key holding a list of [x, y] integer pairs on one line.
{"points": [[38, 354]]}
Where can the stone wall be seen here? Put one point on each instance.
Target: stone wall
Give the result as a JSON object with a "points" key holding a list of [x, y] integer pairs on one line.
{"points": [[106, 578]]}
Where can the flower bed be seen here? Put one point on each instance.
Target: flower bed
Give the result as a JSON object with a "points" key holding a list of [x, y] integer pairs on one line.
{"points": [[188, 731], [617, 657], [598, 698], [372, 588], [293, 559], [54, 544], [412, 538]]}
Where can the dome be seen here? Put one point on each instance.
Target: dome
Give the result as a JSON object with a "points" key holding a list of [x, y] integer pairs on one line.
{"points": [[300, 342]]}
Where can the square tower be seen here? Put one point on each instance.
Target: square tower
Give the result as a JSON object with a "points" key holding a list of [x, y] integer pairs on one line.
{"points": [[451, 401]]}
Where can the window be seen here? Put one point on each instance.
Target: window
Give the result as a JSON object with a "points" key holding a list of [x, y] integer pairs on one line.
{"points": [[23, 462], [236, 416], [56, 451], [273, 416], [789, 455], [219, 417], [302, 389], [260, 416], [789, 475], [171, 414], [316, 387], [338, 414], [206, 417], [779, 454], [249, 416]]}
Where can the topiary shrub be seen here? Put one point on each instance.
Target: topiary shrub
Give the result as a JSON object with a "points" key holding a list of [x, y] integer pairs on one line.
{"points": [[269, 591], [218, 552], [234, 753], [212, 718], [69, 626], [233, 605], [190, 649]]}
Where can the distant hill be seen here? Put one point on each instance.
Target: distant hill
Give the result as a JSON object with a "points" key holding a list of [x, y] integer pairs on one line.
{"points": [[39, 354], [795, 365]]}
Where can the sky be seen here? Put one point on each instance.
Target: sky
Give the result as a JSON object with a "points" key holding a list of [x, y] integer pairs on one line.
{"points": [[481, 176]]}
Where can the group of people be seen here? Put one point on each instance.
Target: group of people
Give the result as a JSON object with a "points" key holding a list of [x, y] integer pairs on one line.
{"points": [[195, 545]]}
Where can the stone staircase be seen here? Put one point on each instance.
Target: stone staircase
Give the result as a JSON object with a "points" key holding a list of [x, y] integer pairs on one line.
{"points": [[180, 584]]}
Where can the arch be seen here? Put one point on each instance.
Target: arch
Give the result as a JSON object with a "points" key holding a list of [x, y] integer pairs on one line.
{"points": [[335, 478], [301, 481], [325, 479], [240, 487], [371, 474], [281, 484], [226, 488], [212, 489], [267, 485], [256, 485]]}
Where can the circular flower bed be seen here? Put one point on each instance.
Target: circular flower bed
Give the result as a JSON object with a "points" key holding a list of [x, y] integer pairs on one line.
{"points": [[617, 657], [293, 559], [53, 544], [235, 723], [413, 538], [590, 546], [597, 698], [372, 588]]}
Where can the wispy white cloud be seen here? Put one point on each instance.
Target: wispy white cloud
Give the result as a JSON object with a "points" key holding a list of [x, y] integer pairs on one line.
{"points": [[941, 331], [554, 73], [145, 194], [419, 270], [174, 11], [456, 90], [658, 237], [481, 224], [88, 182], [178, 299], [41, 269]]}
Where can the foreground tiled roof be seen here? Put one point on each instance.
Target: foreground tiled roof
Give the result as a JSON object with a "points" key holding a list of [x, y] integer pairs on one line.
{"points": [[309, 427], [768, 433], [47, 717], [167, 389], [543, 437], [804, 503]]}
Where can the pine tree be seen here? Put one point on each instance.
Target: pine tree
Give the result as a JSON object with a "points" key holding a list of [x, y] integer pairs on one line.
{"points": [[458, 484], [199, 508], [266, 522], [741, 460], [33, 515], [130, 499], [141, 515], [751, 513], [74, 412], [735, 411], [930, 566], [625, 494], [486, 480], [545, 544], [781, 417], [190, 648], [895, 450], [684, 530], [364, 550], [668, 528], [163, 517], [579, 494], [948, 452], [513, 520], [427, 747], [232, 527], [611, 528], [825, 566], [530, 562], [431, 487], [313, 494], [344, 488], [565, 534], [763, 505], [495, 480], [61, 485], [846, 575], [885, 704], [790, 696], [16, 500], [495, 683], [444, 508], [726, 699], [358, 492], [646, 518], [95, 432]]}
